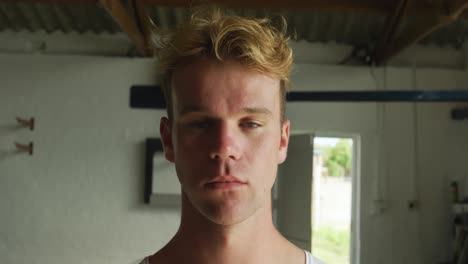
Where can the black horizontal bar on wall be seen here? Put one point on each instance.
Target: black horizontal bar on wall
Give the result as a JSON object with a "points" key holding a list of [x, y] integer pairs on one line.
{"points": [[379, 96], [147, 96], [150, 96]]}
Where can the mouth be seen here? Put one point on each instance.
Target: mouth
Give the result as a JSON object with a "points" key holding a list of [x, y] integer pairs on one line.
{"points": [[225, 182], [224, 185]]}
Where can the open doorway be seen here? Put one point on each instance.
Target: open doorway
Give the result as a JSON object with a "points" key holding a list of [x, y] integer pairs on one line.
{"points": [[332, 200]]}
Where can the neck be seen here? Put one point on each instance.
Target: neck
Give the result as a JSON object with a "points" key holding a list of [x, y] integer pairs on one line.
{"points": [[250, 241]]}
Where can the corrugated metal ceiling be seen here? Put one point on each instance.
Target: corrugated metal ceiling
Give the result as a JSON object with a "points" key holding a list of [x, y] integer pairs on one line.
{"points": [[313, 26], [55, 17]]}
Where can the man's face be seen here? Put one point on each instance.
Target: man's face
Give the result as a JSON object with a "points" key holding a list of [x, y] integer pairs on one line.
{"points": [[225, 139]]}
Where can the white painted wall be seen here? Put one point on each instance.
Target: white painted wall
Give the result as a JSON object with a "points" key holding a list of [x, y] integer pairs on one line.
{"points": [[79, 198], [396, 235]]}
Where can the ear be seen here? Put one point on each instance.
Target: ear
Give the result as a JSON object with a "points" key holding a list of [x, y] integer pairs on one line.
{"points": [[283, 147], [166, 138]]}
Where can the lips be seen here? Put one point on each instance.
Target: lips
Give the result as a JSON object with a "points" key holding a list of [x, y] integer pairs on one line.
{"points": [[225, 182]]}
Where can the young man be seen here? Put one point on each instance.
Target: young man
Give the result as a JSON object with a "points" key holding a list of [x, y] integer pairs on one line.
{"points": [[225, 80]]}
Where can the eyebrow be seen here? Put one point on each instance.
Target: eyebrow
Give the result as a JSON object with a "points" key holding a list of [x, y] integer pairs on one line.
{"points": [[248, 110], [257, 110], [191, 109]]}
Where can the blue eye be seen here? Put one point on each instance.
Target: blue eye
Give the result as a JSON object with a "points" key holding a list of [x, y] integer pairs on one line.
{"points": [[251, 124]]}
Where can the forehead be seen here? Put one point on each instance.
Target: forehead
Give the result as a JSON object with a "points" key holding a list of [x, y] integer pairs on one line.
{"points": [[222, 86]]}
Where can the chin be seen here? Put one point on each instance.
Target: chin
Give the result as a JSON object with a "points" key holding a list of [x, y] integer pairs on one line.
{"points": [[225, 209], [226, 219], [229, 214]]}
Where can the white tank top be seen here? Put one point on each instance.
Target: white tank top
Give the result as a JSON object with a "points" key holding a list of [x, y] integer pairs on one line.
{"points": [[309, 259]]}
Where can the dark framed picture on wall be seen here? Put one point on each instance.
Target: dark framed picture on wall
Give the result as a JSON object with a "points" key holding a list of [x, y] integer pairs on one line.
{"points": [[162, 187]]}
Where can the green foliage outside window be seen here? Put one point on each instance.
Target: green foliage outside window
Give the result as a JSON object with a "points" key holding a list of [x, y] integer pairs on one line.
{"points": [[337, 159]]}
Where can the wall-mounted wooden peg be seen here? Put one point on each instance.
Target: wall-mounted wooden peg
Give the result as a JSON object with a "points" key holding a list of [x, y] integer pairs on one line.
{"points": [[25, 147], [26, 122]]}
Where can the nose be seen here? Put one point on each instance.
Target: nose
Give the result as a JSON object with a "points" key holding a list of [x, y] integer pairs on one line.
{"points": [[225, 143]]}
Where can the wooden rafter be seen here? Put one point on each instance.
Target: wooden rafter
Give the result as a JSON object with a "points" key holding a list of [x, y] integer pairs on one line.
{"points": [[433, 14], [456, 7], [348, 5], [392, 23], [336, 5], [419, 7], [351, 6], [129, 24], [143, 21], [425, 26]]}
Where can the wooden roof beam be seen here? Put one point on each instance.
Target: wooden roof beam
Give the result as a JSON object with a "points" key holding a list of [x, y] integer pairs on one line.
{"points": [[371, 6], [143, 22], [456, 7], [129, 23], [352, 6], [424, 27], [392, 23]]}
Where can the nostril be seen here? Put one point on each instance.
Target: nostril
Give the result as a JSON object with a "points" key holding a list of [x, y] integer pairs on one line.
{"points": [[215, 156], [222, 156]]}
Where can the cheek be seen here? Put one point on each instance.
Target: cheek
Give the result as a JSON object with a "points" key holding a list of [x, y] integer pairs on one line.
{"points": [[266, 146], [184, 142], [262, 155], [186, 152]]}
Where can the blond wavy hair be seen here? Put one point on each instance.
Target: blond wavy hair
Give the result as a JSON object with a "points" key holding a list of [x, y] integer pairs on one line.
{"points": [[210, 32]]}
